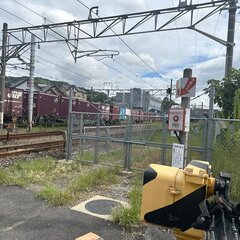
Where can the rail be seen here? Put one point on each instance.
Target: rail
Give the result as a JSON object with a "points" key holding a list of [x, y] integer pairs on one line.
{"points": [[17, 136], [13, 150]]}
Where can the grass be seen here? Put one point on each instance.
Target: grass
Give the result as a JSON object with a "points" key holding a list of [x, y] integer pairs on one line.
{"points": [[142, 156], [56, 197], [46, 173], [128, 217], [88, 182], [226, 155], [60, 184], [24, 173]]}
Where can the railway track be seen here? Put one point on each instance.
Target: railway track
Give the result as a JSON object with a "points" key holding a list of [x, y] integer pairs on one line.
{"points": [[32, 142], [11, 146], [13, 150], [16, 136]]}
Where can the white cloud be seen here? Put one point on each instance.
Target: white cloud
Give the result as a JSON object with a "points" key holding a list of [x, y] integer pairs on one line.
{"points": [[57, 15], [166, 52]]}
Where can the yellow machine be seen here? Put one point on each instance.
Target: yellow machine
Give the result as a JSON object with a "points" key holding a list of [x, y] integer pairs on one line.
{"points": [[177, 198]]}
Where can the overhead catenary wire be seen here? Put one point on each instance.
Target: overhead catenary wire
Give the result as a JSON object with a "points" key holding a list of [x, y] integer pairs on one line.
{"points": [[15, 16], [124, 67], [210, 45], [33, 25], [153, 70], [178, 39], [198, 96], [220, 54], [54, 64], [54, 36], [114, 69], [79, 75]]}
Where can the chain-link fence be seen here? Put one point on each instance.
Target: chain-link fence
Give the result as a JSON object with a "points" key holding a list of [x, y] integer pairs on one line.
{"points": [[133, 141]]}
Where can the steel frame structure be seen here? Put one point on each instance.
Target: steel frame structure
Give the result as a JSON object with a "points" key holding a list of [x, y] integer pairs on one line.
{"points": [[119, 25]]}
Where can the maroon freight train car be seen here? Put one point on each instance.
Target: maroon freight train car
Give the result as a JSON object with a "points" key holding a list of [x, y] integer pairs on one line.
{"points": [[45, 104], [13, 103], [63, 108]]}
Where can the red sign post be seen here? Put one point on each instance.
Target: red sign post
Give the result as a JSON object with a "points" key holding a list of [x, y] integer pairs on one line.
{"points": [[186, 87]]}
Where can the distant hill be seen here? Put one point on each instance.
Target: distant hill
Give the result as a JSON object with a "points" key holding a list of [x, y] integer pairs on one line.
{"points": [[11, 80], [96, 96]]}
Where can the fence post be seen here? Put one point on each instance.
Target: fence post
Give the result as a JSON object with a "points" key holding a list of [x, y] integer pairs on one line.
{"points": [[70, 126], [205, 138], [81, 136], [96, 140], [164, 140], [127, 158], [69, 136]]}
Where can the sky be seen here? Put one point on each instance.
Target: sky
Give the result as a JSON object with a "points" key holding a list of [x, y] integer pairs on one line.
{"points": [[147, 61]]}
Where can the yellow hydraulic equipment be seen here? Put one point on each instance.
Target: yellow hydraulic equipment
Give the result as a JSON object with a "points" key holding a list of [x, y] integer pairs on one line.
{"points": [[177, 198]]}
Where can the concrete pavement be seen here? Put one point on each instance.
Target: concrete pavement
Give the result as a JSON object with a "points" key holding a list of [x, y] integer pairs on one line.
{"points": [[25, 217]]}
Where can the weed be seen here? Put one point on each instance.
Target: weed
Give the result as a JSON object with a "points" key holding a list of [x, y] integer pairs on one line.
{"points": [[55, 196], [23, 173], [128, 217], [89, 181], [4, 178]]}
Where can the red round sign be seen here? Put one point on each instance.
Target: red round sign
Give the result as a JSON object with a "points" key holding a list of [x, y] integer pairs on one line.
{"points": [[175, 118]]}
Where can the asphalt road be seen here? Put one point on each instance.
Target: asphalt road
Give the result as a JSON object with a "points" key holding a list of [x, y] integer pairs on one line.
{"points": [[25, 217]]}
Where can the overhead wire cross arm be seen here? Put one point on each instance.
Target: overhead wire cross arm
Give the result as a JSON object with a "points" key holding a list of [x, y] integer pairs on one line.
{"points": [[96, 53], [125, 24]]}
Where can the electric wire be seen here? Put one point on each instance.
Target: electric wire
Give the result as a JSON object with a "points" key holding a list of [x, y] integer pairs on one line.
{"points": [[124, 67], [178, 39], [126, 44], [196, 41], [56, 65], [28, 59], [221, 51], [28, 8], [64, 29], [220, 54], [210, 45], [16, 16], [198, 96], [63, 68], [33, 25], [114, 69]]}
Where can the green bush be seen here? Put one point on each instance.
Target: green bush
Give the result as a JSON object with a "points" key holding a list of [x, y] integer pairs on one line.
{"points": [[128, 217]]}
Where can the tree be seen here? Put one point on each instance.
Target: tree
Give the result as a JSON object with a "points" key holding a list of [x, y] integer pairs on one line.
{"points": [[225, 92], [166, 104]]}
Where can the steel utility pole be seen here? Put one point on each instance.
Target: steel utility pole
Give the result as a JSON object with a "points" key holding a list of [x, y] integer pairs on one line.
{"points": [[3, 73], [230, 36], [70, 125], [185, 103], [31, 83]]}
